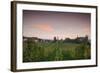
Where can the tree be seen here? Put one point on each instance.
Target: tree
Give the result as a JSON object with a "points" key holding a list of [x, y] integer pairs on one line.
{"points": [[55, 39]]}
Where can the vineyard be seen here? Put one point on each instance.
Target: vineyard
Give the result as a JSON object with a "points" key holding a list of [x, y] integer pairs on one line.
{"points": [[55, 51]]}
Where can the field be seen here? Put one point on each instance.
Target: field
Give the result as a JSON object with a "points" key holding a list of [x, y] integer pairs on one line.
{"points": [[55, 51]]}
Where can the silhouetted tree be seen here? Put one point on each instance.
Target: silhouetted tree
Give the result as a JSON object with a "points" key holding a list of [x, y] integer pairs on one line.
{"points": [[55, 39]]}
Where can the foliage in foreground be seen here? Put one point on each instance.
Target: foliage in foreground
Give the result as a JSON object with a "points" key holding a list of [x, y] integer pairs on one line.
{"points": [[55, 51]]}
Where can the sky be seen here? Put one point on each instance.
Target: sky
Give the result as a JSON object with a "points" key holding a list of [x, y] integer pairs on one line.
{"points": [[50, 24]]}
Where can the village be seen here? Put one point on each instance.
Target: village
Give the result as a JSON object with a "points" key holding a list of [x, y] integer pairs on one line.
{"points": [[69, 40]]}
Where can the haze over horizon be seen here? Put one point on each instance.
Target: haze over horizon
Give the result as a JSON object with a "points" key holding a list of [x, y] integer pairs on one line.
{"points": [[47, 24]]}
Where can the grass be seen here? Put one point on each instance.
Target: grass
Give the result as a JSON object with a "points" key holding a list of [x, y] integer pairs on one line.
{"points": [[55, 51]]}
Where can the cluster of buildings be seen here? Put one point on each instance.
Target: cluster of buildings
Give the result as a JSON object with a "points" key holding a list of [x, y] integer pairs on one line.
{"points": [[76, 40]]}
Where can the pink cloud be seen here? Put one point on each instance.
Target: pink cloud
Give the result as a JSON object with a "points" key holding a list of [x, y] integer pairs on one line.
{"points": [[44, 27]]}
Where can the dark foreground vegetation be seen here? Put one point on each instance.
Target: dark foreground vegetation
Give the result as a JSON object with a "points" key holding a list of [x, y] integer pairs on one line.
{"points": [[55, 50]]}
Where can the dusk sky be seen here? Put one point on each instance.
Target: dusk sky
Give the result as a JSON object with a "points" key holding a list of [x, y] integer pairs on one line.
{"points": [[47, 24]]}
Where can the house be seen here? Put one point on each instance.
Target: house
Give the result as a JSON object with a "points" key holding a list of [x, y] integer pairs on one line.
{"points": [[35, 39]]}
